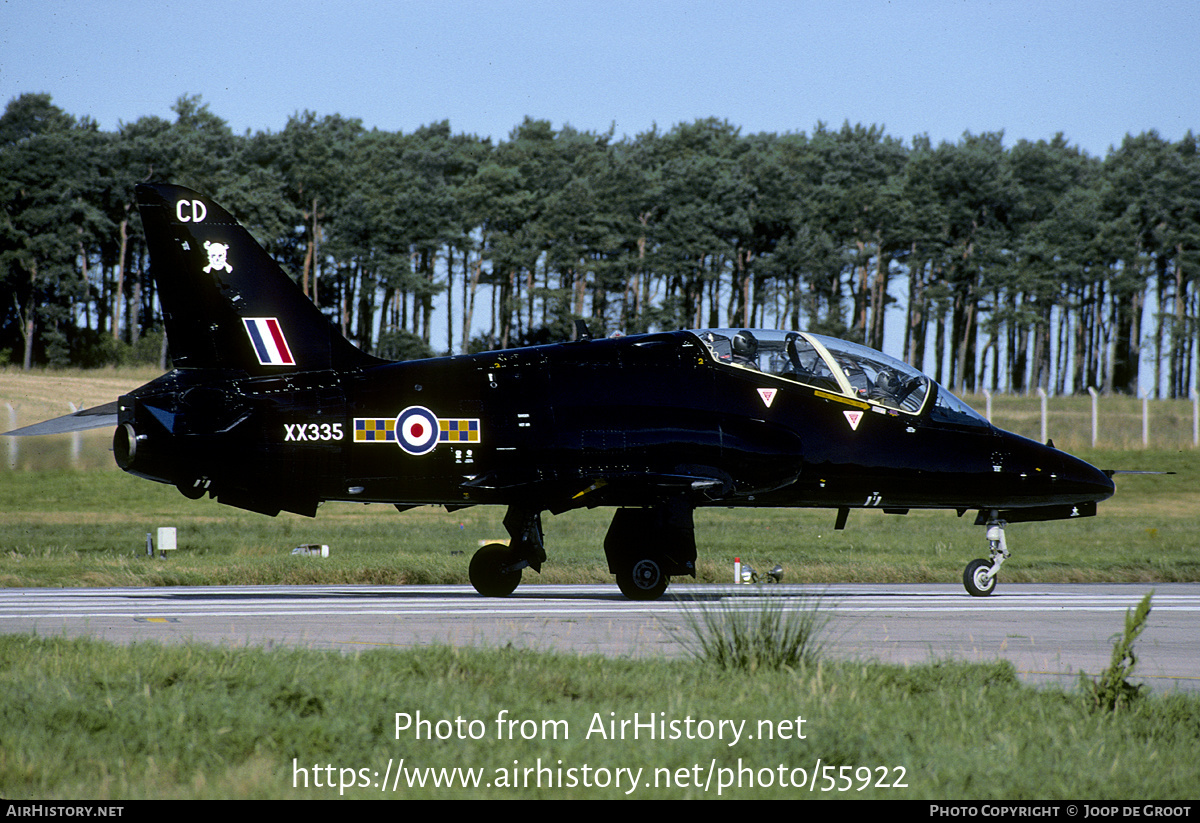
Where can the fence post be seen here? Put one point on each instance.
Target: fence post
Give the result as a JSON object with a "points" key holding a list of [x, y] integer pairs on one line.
{"points": [[1146, 422], [76, 438], [12, 441], [1195, 418], [1042, 394], [1095, 412], [987, 403]]}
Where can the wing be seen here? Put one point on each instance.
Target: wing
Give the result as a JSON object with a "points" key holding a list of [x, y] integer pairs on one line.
{"points": [[98, 417]]}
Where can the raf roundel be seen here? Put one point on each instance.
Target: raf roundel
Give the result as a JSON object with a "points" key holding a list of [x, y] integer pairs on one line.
{"points": [[417, 430]]}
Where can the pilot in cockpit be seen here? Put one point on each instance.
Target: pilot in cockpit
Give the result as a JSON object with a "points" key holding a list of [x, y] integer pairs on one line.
{"points": [[745, 350]]}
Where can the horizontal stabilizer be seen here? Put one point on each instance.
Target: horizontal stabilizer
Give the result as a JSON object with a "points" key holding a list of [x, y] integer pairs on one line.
{"points": [[99, 417]]}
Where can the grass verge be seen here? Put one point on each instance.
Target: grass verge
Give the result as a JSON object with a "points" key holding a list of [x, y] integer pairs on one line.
{"points": [[85, 719], [72, 528], [770, 631]]}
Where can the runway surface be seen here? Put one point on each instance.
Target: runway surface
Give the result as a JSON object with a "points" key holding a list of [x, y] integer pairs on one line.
{"points": [[1049, 632]]}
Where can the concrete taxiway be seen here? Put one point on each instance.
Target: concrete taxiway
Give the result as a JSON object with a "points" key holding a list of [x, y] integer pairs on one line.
{"points": [[1050, 632]]}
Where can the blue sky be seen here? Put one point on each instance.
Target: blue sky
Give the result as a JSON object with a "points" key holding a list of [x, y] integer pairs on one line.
{"points": [[1095, 70], [1092, 70]]}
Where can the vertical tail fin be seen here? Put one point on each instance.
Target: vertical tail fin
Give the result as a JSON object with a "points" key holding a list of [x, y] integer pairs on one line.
{"points": [[227, 304]]}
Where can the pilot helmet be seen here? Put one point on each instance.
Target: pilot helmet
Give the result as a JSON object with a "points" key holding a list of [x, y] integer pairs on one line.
{"points": [[745, 345]]}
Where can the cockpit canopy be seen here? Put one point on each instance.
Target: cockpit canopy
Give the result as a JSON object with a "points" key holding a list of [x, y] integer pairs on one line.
{"points": [[838, 366]]}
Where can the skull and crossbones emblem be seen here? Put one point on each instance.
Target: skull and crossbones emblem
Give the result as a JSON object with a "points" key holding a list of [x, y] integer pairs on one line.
{"points": [[216, 257]]}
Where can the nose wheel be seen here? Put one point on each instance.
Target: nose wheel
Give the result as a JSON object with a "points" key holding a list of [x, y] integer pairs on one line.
{"points": [[979, 577]]}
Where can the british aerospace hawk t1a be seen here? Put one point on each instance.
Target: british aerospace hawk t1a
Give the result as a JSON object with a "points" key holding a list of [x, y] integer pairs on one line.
{"points": [[269, 408]]}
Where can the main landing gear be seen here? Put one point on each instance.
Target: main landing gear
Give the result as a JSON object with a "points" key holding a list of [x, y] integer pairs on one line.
{"points": [[979, 577], [495, 569], [644, 548], [642, 579]]}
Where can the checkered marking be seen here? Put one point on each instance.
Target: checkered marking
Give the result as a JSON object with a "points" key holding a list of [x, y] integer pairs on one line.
{"points": [[458, 430], [416, 430]]}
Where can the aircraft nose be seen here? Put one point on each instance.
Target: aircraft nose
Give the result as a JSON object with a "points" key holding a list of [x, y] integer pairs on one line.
{"points": [[1044, 470], [1084, 478]]}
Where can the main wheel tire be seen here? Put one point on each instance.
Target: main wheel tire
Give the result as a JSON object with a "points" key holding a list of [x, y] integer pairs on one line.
{"points": [[976, 580], [489, 571], [643, 579]]}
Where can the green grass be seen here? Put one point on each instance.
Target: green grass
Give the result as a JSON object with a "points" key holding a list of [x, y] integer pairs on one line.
{"points": [[775, 631], [73, 528], [84, 719], [1112, 689]]}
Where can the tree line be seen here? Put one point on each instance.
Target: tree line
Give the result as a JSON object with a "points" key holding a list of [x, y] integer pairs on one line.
{"points": [[990, 267]]}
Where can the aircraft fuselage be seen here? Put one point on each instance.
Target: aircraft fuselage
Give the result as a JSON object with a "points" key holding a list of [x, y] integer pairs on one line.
{"points": [[600, 422], [271, 409]]}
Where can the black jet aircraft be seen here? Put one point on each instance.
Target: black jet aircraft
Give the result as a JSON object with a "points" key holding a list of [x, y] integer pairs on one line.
{"points": [[269, 408]]}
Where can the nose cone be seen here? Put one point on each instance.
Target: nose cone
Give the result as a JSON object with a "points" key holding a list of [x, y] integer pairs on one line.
{"points": [[1082, 478], [1043, 475]]}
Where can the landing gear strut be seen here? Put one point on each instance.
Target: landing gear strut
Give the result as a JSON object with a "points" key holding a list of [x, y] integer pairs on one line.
{"points": [[646, 547], [495, 569], [979, 577]]}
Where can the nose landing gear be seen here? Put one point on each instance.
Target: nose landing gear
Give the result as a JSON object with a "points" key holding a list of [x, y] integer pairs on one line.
{"points": [[979, 578]]}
